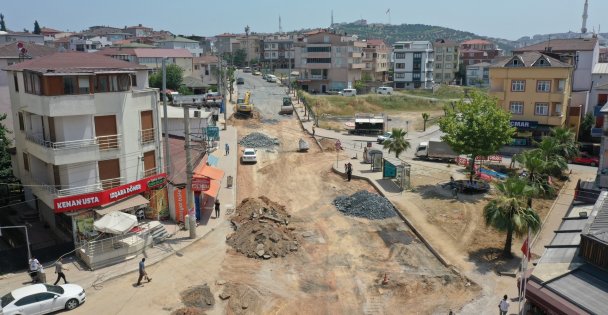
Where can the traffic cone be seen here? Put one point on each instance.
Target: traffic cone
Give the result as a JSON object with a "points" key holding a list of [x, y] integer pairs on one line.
{"points": [[385, 280]]}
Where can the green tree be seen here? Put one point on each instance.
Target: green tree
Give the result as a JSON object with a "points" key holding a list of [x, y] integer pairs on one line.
{"points": [[2, 24], [184, 90], [366, 77], [6, 169], [567, 146], [174, 78], [397, 142], [536, 164], [36, 27], [508, 211], [359, 86], [425, 119], [240, 57], [585, 130], [476, 127]]}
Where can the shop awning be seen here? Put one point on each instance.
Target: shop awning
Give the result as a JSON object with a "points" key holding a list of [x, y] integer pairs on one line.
{"points": [[209, 171], [127, 203], [214, 188], [115, 223], [212, 160]]}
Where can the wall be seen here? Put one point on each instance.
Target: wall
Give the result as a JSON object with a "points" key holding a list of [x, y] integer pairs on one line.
{"points": [[68, 128]]}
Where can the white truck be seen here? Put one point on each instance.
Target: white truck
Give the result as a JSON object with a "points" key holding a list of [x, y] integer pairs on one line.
{"points": [[435, 149]]}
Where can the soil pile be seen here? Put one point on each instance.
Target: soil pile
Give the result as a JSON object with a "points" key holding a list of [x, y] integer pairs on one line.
{"points": [[258, 140], [198, 296], [261, 229], [365, 204]]}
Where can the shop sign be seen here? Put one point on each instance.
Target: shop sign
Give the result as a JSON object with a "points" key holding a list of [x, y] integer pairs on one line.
{"points": [[201, 184], [390, 171], [524, 124], [85, 201], [179, 198]]}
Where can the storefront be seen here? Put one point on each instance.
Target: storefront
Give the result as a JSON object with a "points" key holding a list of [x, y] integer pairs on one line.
{"points": [[205, 195], [528, 131]]}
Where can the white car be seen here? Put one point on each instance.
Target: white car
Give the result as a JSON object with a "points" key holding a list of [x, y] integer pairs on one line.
{"points": [[384, 90], [249, 156], [384, 137], [42, 299]]}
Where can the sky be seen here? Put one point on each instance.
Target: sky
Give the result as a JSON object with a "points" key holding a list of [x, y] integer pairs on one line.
{"points": [[494, 18]]}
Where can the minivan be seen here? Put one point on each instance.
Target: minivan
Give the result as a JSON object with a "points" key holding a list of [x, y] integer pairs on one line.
{"points": [[349, 92], [271, 78], [384, 90]]}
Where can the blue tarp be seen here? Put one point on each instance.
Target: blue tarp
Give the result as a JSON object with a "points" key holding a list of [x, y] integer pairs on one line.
{"points": [[212, 160]]}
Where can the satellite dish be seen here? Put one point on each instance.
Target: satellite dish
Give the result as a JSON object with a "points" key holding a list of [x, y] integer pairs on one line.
{"points": [[23, 50], [19, 45]]}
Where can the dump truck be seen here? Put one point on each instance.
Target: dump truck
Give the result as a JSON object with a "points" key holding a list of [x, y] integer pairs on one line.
{"points": [[435, 149], [286, 106], [244, 105]]}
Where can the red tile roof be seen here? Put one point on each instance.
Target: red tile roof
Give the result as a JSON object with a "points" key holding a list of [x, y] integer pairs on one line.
{"points": [[33, 50], [74, 62], [112, 51], [48, 30], [476, 42], [160, 53], [375, 42]]}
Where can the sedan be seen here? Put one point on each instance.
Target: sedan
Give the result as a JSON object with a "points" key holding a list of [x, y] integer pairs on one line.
{"points": [[249, 156], [384, 137], [240, 81], [42, 299], [586, 159]]}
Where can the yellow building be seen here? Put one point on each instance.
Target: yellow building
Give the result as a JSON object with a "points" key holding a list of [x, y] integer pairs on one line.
{"points": [[535, 89]]}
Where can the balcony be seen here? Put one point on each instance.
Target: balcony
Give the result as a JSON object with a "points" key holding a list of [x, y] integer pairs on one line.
{"points": [[317, 77], [147, 136], [47, 192], [356, 66], [64, 105], [68, 152], [150, 172]]}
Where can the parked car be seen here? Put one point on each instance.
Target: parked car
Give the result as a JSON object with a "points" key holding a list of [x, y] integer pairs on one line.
{"points": [[246, 70], [249, 156], [240, 81], [348, 92], [384, 137], [42, 299], [257, 73], [384, 90], [265, 76], [271, 78], [586, 159]]}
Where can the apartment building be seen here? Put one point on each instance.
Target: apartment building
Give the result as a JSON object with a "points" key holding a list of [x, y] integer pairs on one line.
{"points": [[413, 65], [328, 61], [278, 52], [447, 61], [153, 58], [7, 37], [226, 43], [86, 138], [477, 51], [177, 42], [376, 56], [253, 47], [478, 74], [535, 89], [139, 31]]}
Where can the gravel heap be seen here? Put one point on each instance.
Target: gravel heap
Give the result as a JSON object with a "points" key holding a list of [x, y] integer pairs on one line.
{"points": [[198, 296], [258, 140], [261, 230], [365, 204]]}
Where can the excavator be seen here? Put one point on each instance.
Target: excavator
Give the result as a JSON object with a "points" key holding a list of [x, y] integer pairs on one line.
{"points": [[244, 106]]}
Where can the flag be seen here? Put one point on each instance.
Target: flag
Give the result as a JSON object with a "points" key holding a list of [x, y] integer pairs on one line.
{"points": [[388, 11], [526, 249]]}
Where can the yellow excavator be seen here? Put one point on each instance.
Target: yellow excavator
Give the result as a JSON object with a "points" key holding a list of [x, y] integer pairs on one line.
{"points": [[244, 106]]}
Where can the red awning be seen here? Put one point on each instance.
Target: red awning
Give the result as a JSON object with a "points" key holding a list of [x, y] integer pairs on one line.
{"points": [[209, 171], [214, 188]]}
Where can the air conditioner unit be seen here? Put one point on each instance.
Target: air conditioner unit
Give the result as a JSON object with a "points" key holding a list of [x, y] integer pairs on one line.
{"points": [[197, 114]]}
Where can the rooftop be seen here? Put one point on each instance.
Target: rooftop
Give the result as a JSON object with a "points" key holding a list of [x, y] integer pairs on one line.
{"points": [[529, 59], [33, 50], [177, 39], [561, 45], [70, 62], [160, 53], [476, 42]]}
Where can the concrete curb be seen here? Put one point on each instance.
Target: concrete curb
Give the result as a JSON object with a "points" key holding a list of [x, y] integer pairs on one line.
{"points": [[542, 224], [306, 130]]}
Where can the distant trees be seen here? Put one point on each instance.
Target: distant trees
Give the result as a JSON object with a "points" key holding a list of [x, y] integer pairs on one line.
{"points": [[2, 24], [174, 78], [36, 27]]}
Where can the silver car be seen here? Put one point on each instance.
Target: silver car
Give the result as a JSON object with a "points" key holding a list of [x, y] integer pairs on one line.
{"points": [[42, 299]]}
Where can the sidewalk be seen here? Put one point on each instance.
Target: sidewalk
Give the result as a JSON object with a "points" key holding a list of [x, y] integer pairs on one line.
{"points": [[179, 240]]}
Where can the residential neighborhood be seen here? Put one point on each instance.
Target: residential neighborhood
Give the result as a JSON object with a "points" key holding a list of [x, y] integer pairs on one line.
{"points": [[362, 167]]}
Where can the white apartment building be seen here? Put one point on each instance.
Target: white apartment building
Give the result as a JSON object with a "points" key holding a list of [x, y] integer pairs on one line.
{"points": [[478, 74], [413, 65], [86, 137], [177, 42]]}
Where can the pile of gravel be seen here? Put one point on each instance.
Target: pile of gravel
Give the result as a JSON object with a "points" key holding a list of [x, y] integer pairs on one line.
{"points": [[258, 140], [364, 204]]}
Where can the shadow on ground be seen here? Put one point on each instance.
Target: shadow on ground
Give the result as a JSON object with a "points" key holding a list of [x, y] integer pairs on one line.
{"points": [[491, 259]]}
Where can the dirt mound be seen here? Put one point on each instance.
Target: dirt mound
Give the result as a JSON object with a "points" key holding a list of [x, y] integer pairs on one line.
{"points": [[328, 144], [188, 311], [199, 296], [261, 229]]}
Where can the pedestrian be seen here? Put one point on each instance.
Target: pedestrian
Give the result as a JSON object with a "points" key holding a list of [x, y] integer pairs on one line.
{"points": [[503, 306], [59, 268], [142, 272], [217, 208], [35, 269], [349, 171], [313, 130], [227, 149]]}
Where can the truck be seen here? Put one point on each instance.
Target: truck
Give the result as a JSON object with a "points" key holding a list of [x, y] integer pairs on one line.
{"points": [[286, 106], [244, 105], [212, 97], [369, 124], [435, 149]]}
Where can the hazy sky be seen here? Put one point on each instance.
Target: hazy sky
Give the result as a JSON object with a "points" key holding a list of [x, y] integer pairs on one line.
{"points": [[496, 18]]}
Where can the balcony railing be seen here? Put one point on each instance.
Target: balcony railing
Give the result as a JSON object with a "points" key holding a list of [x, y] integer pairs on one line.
{"points": [[147, 136], [317, 77], [104, 142], [150, 172], [100, 185]]}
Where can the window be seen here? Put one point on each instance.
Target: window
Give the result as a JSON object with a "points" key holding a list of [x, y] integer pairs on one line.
{"points": [[400, 66], [448, 66], [541, 109], [26, 162], [448, 57], [561, 85], [27, 300], [449, 49], [557, 109], [399, 75], [16, 82], [417, 55], [438, 66], [543, 86], [400, 55], [416, 76], [69, 85], [318, 49], [518, 86], [517, 108], [21, 124], [32, 83], [318, 60], [83, 85], [439, 58]]}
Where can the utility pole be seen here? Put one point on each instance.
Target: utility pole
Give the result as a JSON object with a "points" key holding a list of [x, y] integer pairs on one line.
{"points": [[189, 171], [166, 119], [289, 60]]}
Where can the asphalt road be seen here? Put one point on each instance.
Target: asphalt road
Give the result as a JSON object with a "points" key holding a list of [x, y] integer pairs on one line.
{"points": [[267, 97]]}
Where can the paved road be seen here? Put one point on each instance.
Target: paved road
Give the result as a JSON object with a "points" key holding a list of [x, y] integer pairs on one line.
{"points": [[267, 97]]}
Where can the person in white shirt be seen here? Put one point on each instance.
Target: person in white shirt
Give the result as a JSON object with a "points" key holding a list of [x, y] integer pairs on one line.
{"points": [[35, 264], [503, 306]]}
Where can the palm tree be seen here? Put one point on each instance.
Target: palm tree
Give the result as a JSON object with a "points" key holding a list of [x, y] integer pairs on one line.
{"points": [[425, 119], [553, 153], [566, 142], [509, 212], [247, 37], [397, 142], [537, 165]]}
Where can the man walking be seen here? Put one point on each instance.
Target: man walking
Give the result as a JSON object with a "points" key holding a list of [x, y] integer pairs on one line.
{"points": [[59, 268], [142, 272], [503, 306], [349, 171], [227, 149], [217, 208], [35, 270]]}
